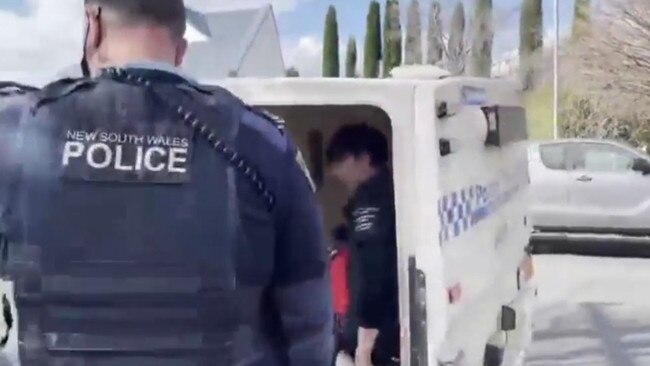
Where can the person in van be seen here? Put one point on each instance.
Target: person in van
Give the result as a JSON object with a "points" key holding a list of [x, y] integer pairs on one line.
{"points": [[357, 156]]}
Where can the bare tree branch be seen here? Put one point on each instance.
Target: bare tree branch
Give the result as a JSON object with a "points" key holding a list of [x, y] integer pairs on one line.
{"points": [[455, 57], [610, 66]]}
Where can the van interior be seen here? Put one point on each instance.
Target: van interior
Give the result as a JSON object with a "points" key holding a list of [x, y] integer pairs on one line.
{"points": [[311, 128]]}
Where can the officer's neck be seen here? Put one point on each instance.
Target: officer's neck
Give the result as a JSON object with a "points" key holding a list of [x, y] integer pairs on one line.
{"points": [[137, 48]]}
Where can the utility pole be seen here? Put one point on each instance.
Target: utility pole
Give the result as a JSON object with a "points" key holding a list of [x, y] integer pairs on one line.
{"points": [[556, 46]]}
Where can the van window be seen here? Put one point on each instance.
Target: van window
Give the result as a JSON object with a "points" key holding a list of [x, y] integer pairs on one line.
{"points": [[506, 124], [554, 156], [513, 124]]}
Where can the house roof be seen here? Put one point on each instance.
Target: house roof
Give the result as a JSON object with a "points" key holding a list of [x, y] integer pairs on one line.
{"points": [[228, 34], [197, 21], [219, 40]]}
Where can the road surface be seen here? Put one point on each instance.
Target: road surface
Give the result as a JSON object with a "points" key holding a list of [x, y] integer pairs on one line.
{"points": [[591, 312]]}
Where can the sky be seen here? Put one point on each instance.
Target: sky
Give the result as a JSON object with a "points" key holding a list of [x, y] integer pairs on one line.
{"points": [[38, 38]]}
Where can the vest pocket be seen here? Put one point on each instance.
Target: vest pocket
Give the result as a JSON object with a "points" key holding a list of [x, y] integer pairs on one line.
{"points": [[255, 250]]}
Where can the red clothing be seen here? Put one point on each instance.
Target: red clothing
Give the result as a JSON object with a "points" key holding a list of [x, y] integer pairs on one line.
{"points": [[340, 262]]}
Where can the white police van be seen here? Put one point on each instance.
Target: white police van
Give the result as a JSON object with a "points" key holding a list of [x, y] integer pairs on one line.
{"points": [[461, 182]]}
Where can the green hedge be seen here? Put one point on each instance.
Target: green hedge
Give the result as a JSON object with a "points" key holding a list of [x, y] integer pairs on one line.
{"points": [[539, 112]]}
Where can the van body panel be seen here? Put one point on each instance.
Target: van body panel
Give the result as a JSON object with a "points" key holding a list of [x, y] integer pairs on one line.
{"points": [[462, 216]]}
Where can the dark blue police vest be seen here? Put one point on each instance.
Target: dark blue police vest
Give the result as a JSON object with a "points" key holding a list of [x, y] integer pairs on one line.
{"points": [[13, 98], [131, 250]]}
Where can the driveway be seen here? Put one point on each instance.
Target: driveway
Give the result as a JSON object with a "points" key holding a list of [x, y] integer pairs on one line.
{"points": [[592, 312]]}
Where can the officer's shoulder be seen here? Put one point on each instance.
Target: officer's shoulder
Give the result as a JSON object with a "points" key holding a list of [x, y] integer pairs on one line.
{"points": [[254, 117], [270, 126], [62, 88], [254, 122], [10, 89], [269, 118], [14, 94], [13, 98]]}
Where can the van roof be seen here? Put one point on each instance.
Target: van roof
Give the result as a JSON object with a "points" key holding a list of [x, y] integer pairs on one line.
{"points": [[347, 91], [323, 81]]}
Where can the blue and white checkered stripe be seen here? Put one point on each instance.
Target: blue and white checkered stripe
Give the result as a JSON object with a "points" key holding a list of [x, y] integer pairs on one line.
{"points": [[460, 211], [456, 211]]}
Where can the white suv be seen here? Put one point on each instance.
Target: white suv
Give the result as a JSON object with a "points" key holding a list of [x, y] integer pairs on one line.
{"points": [[589, 190]]}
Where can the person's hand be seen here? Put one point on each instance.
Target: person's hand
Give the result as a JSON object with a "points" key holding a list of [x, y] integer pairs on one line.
{"points": [[363, 358], [365, 344]]}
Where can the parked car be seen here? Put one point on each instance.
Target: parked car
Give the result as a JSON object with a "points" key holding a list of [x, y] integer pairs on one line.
{"points": [[589, 192]]}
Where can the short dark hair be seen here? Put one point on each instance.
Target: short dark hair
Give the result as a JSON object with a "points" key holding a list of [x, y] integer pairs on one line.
{"points": [[357, 139], [166, 13]]}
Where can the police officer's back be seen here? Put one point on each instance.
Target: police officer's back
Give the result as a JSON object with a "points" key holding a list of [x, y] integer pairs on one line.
{"points": [[159, 222], [14, 100]]}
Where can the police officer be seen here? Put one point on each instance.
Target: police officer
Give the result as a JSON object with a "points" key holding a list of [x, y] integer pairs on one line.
{"points": [[14, 98], [357, 155], [161, 222]]}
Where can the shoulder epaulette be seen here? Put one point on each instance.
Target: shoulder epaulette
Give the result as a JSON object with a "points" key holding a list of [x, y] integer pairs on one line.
{"points": [[62, 88], [205, 89], [277, 121], [221, 93], [9, 88]]}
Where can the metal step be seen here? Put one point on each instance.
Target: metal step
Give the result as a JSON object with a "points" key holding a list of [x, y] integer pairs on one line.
{"points": [[602, 245]]}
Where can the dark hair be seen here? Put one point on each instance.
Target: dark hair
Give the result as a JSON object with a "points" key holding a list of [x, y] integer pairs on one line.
{"points": [[340, 233], [166, 13], [357, 139]]}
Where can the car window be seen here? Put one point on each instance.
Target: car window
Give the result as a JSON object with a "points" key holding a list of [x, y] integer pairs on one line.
{"points": [[553, 156], [603, 158]]}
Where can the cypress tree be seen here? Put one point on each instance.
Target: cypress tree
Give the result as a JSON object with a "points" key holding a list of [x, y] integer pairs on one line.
{"points": [[581, 18], [331, 44], [435, 47], [351, 58], [456, 43], [413, 46], [372, 46], [530, 41], [392, 37], [482, 39]]}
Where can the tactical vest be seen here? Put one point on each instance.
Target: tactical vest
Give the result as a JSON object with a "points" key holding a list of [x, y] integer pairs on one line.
{"points": [[131, 249], [13, 98]]}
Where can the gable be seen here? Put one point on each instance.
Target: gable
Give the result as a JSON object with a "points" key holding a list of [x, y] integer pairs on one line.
{"points": [[223, 39], [218, 41]]}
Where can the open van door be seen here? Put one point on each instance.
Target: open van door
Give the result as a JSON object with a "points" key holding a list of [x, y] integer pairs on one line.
{"points": [[460, 200]]}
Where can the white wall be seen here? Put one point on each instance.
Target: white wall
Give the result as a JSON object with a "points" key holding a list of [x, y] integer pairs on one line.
{"points": [[264, 57]]}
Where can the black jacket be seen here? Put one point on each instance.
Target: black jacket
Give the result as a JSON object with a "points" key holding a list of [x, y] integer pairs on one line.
{"points": [[373, 253]]}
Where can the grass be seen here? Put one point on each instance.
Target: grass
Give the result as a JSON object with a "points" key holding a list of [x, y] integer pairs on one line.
{"points": [[539, 112]]}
